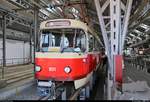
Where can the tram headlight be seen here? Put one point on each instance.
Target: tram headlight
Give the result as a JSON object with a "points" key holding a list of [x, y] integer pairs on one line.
{"points": [[37, 68], [67, 69]]}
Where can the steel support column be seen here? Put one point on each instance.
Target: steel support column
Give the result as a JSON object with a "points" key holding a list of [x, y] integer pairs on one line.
{"points": [[106, 42], [102, 27], [36, 11], [4, 43], [125, 25], [31, 32], [118, 30], [115, 22]]}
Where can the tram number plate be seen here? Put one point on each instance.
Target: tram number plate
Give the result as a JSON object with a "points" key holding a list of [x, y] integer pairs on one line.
{"points": [[52, 69], [46, 84]]}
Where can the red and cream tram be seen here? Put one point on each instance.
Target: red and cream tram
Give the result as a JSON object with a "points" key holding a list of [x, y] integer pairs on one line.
{"points": [[69, 52]]}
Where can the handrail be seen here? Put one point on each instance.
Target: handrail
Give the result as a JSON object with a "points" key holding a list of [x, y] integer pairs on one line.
{"points": [[15, 58]]}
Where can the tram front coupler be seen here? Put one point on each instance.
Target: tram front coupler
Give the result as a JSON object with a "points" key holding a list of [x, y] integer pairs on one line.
{"points": [[46, 88]]}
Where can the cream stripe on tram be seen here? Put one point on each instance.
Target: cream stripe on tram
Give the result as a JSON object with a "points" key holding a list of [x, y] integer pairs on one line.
{"points": [[59, 55]]}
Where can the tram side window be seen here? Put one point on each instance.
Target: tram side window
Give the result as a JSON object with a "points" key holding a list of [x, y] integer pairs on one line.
{"points": [[81, 41], [91, 43], [45, 39], [97, 48], [52, 40], [94, 44], [57, 40]]}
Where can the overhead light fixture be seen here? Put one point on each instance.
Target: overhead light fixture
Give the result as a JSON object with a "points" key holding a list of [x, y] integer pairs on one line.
{"points": [[44, 12], [144, 26], [49, 9], [132, 35], [75, 15], [57, 1], [129, 38], [139, 38], [138, 32], [75, 10], [60, 9]]}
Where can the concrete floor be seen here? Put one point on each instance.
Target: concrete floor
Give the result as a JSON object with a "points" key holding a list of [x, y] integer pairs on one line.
{"points": [[16, 73], [131, 76], [98, 91], [30, 93], [16, 89], [15, 77], [27, 94], [136, 84]]}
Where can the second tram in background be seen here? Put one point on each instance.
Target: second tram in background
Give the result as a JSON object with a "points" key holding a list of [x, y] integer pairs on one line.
{"points": [[69, 54]]}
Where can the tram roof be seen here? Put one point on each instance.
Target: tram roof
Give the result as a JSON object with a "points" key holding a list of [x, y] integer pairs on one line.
{"points": [[67, 23], [63, 23]]}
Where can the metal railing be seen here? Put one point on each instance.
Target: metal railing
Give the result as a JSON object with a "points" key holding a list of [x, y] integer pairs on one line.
{"points": [[15, 61], [141, 62], [12, 62]]}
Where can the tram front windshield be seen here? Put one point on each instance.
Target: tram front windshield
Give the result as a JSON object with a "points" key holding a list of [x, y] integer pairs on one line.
{"points": [[66, 40]]}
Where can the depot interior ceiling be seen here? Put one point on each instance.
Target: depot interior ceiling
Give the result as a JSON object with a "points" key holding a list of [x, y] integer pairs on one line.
{"points": [[83, 10]]}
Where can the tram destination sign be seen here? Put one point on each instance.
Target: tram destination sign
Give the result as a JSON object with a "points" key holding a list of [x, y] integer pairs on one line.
{"points": [[58, 23]]}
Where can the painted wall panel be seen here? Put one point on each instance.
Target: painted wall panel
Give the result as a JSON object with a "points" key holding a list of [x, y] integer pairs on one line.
{"points": [[15, 51]]}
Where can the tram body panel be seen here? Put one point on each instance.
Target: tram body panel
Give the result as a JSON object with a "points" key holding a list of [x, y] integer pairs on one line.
{"points": [[53, 68]]}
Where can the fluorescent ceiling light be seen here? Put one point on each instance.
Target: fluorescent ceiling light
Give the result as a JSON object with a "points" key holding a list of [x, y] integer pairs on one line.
{"points": [[129, 38], [54, 10], [75, 10], [49, 9], [75, 16], [132, 35], [57, 1], [144, 26], [139, 38], [147, 35], [45, 12], [137, 31], [59, 9]]}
